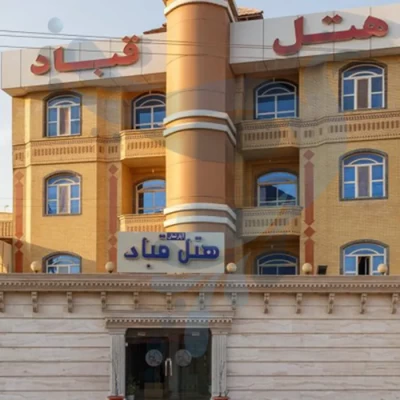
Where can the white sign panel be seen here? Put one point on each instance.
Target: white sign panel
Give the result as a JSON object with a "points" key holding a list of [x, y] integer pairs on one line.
{"points": [[171, 252]]}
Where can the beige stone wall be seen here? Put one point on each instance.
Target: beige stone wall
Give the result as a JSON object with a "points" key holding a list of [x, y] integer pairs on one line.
{"points": [[290, 347]]}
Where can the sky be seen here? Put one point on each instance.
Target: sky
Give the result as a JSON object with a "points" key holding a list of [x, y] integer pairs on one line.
{"points": [[115, 18]]}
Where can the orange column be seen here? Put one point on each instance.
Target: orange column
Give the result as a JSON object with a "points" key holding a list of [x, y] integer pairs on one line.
{"points": [[200, 135]]}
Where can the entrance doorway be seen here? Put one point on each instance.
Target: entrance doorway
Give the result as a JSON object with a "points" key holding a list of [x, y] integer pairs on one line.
{"points": [[168, 364]]}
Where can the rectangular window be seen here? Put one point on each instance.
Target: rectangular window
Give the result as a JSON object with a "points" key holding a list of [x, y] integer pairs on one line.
{"points": [[348, 87], [364, 265], [65, 120], [286, 103], [350, 266], [349, 191], [363, 181], [266, 105], [362, 93], [348, 103], [63, 199]]}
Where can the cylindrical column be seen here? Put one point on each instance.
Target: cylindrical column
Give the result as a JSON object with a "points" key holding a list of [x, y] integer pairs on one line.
{"points": [[200, 135]]}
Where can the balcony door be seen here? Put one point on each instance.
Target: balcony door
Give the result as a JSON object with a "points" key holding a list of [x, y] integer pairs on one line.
{"points": [[168, 364]]}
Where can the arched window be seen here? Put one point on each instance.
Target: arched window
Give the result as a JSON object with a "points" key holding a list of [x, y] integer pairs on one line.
{"points": [[364, 176], [151, 197], [63, 194], [276, 100], [63, 264], [277, 189], [64, 116], [363, 87], [277, 264], [149, 111], [363, 258]]}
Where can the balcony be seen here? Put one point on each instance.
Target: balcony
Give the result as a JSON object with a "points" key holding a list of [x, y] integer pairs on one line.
{"points": [[142, 223], [141, 144], [263, 221], [354, 126], [6, 226]]}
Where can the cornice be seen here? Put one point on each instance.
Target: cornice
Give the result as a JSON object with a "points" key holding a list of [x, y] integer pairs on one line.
{"points": [[197, 283], [150, 320]]}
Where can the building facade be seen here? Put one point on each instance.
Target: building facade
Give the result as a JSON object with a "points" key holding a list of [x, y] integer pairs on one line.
{"points": [[287, 149], [274, 139]]}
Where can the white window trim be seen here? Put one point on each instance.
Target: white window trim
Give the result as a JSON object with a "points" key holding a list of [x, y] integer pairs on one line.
{"points": [[153, 125], [370, 165], [153, 192], [356, 79], [58, 122], [70, 198], [357, 256], [276, 96]]}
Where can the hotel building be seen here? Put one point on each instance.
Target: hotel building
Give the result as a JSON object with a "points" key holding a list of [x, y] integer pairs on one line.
{"points": [[279, 135]]}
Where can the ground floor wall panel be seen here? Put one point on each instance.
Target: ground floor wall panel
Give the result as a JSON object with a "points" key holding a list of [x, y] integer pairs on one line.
{"points": [[279, 346]]}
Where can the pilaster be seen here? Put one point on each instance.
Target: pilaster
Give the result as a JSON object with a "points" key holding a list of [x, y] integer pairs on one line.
{"points": [[219, 362], [118, 355]]}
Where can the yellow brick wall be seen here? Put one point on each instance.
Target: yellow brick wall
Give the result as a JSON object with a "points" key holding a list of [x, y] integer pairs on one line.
{"points": [[106, 112]]}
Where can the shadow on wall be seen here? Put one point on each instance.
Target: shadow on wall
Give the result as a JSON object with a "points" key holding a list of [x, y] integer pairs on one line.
{"points": [[5, 257], [54, 260]]}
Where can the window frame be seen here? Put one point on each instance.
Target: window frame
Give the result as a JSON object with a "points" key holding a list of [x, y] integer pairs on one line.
{"points": [[63, 176], [277, 266], [76, 101], [263, 87], [370, 93], [140, 191], [364, 154], [146, 98], [364, 244], [69, 265], [277, 203]]}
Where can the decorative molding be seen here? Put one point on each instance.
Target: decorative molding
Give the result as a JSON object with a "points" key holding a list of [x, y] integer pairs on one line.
{"points": [[1, 302], [202, 125], [200, 220], [103, 299], [35, 305], [264, 221], [331, 303], [177, 320], [395, 302], [168, 301], [136, 300], [207, 283], [202, 301], [234, 301], [299, 300], [203, 114], [339, 128], [142, 223], [220, 3], [70, 304], [363, 303], [200, 206], [266, 302]]}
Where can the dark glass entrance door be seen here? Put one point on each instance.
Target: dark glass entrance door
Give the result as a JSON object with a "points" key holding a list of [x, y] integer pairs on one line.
{"points": [[168, 364]]}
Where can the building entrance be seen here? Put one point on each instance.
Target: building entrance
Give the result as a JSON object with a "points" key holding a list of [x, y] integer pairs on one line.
{"points": [[168, 364]]}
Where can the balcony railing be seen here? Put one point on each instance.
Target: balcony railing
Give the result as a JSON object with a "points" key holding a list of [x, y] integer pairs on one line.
{"points": [[6, 226], [142, 223], [142, 144], [270, 221], [354, 126]]}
